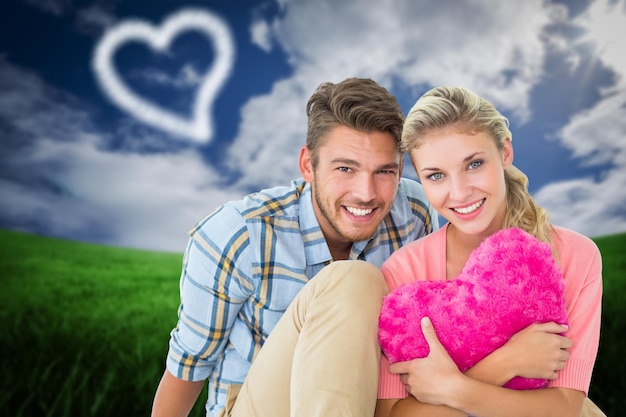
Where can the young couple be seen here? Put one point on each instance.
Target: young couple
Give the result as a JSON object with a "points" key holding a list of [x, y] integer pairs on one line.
{"points": [[281, 291]]}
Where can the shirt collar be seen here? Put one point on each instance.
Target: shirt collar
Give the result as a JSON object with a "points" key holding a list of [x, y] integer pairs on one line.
{"points": [[315, 246]]}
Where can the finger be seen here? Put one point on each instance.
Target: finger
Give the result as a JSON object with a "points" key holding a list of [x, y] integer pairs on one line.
{"points": [[566, 342], [564, 355], [552, 327], [429, 334], [399, 368]]}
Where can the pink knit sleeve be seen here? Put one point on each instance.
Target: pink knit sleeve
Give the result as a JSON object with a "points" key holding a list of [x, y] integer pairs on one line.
{"points": [[421, 260], [582, 269], [389, 385]]}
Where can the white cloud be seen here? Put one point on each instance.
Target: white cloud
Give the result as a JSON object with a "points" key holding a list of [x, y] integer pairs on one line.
{"points": [[476, 44], [260, 34], [604, 23], [200, 126], [596, 137], [593, 206], [597, 134], [59, 178], [55, 7], [148, 200], [419, 44], [187, 77], [272, 131], [69, 183], [94, 19], [394, 42]]}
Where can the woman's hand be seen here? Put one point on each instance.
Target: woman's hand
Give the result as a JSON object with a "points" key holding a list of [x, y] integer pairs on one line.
{"points": [[538, 351], [430, 379]]}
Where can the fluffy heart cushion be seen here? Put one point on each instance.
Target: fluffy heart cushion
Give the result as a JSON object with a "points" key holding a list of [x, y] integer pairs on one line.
{"points": [[509, 282]]}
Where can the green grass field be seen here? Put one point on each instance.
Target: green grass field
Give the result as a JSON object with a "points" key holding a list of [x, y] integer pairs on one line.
{"points": [[85, 327]]}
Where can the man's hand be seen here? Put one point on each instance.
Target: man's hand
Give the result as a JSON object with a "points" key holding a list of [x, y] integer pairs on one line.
{"points": [[175, 397]]}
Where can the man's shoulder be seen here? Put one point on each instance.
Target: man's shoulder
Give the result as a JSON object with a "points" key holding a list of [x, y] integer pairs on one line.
{"points": [[412, 193], [411, 189], [270, 202], [280, 201]]}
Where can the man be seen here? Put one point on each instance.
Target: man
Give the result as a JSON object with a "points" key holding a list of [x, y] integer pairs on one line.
{"points": [[247, 264]]}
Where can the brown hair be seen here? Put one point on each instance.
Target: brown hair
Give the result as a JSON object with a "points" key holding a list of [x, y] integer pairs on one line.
{"points": [[358, 103]]}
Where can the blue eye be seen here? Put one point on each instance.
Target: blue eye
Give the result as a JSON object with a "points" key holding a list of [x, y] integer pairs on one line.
{"points": [[475, 164], [436, 177]]}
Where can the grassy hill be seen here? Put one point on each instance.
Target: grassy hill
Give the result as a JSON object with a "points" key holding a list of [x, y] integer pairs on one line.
{"points": [[85, 327]]}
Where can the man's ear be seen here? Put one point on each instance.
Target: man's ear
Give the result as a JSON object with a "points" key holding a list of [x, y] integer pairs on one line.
{"points": [[507, 153], [306, 164]]}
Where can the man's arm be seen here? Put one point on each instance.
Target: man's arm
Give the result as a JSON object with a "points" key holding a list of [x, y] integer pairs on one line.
{"points": [[214, 285], [175, 397]]}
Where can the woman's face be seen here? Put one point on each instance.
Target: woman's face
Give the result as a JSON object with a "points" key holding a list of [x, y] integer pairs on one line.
{"points": [[463, 177]]}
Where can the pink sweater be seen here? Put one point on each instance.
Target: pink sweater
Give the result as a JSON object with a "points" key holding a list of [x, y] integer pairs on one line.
{"points": [[581, 263]]}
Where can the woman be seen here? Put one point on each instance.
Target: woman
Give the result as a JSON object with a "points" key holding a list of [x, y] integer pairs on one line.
{"points": [[460, 146]]}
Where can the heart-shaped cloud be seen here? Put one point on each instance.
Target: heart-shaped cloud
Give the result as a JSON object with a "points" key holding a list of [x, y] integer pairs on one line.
{"points": [[200, 126], [509, 282]]}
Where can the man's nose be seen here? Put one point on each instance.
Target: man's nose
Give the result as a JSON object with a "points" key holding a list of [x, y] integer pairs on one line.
{"points": [[364, 188]]}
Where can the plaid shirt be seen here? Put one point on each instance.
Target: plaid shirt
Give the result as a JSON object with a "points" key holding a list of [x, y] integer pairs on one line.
{"points": [[246, 262]]}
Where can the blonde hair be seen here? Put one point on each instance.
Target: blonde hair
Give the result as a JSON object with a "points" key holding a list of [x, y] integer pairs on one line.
{"points": [[461, 109]]}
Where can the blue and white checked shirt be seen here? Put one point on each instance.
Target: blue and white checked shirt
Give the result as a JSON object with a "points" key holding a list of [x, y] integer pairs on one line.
{"points": [[246, 262]]}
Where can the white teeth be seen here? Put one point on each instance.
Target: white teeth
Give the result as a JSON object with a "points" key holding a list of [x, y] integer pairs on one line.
{"points": [[467, 210], [359, 212]]}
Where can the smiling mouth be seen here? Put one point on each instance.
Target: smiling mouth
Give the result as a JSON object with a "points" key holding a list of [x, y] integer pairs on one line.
{"points": [[358, 212], [469, 209]]}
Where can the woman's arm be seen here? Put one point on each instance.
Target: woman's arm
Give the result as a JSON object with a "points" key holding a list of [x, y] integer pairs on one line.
{"points": [[538, 351], [535, 352], [436, 380]]}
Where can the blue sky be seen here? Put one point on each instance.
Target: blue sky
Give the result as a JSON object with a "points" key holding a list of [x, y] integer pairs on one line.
{"points": [[75, 163]]}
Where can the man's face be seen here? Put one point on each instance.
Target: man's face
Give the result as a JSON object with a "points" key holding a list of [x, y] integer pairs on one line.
{"points": [[354, 183]]}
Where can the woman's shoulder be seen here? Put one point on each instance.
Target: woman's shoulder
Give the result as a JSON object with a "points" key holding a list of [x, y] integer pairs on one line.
{"points": [[569, 240], [432, 241], [424, 257], [576, 251]]}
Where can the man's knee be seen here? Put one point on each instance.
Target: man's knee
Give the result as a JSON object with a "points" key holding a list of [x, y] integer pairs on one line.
{"points": [[354, 282]]}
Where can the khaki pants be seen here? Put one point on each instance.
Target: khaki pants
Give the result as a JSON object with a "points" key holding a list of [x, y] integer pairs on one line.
{"points": [[591, 410], [322, 358]]}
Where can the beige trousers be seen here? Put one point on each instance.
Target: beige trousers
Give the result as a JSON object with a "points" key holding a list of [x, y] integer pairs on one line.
{"points": [[322, 358], [591, 410]]}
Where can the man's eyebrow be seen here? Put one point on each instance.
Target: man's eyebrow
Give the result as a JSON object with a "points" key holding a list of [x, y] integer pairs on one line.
{"points": [[393, 165], [352, 162], [345, 161]]}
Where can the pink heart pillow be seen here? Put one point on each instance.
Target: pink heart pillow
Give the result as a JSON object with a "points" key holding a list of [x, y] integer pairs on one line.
{"points": [[509, 282]]}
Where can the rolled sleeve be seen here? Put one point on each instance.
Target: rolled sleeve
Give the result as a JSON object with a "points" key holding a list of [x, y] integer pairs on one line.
{"points": [[214, 284]]}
